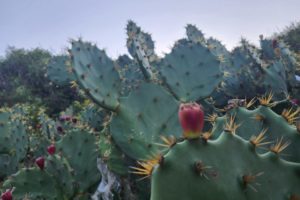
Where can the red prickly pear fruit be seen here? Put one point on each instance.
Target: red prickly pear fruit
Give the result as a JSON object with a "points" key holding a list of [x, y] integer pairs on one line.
{"points": [[7, 195], [191, 117], [59, 129], [38, 126], [74, 120], [51, 149], [40, 162]]}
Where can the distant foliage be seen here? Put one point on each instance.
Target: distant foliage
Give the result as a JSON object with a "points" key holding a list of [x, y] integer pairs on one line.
{"points": [[291, 35], [22, 79]]}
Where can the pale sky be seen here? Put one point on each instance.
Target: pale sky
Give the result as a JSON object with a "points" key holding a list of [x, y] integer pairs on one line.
{"points": [[50, 24]]}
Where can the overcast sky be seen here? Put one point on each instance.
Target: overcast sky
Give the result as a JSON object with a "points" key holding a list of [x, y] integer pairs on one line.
{"points": [[51, 23]]}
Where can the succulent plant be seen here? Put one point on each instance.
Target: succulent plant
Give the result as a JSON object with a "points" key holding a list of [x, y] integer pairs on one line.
{"points": [[58, 70], [139, 98], [190, 72], [203, 166], [13, 142]]}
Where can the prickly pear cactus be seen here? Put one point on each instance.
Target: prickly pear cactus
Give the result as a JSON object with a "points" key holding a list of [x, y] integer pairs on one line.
{"points": [[13, 142], [195, 69], [181, 71], [257, 75], [265, 124], [276, 49], [59, 70], [139, 119], [194, 34], [195, 169], [69, 172], [112, 155], [34, 183], [93, 116], [141, 46], [96, 73], [201, 167], [130, 73], [189, 73], [60, 169], [80, 149]]}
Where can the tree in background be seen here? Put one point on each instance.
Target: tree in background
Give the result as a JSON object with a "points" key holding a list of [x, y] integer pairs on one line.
{"points": [[22, 80], [291, 35]]}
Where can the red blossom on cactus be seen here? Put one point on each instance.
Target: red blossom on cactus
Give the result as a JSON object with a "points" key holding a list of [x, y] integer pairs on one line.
{"points": [[191, 117], [40, 162], [7, 195], [51, 149]]}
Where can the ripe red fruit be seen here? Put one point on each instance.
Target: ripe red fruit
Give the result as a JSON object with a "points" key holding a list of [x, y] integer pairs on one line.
{"points": [[7, 195], [59, 129], [38, 126], [74, 120], [51, 149], [40, 162], [191, 117]]}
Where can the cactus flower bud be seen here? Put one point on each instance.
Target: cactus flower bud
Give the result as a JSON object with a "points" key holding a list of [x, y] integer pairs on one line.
{"points": [[40, 162], [7, 195], [51, 149], [191, 117], [59, 129]]}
